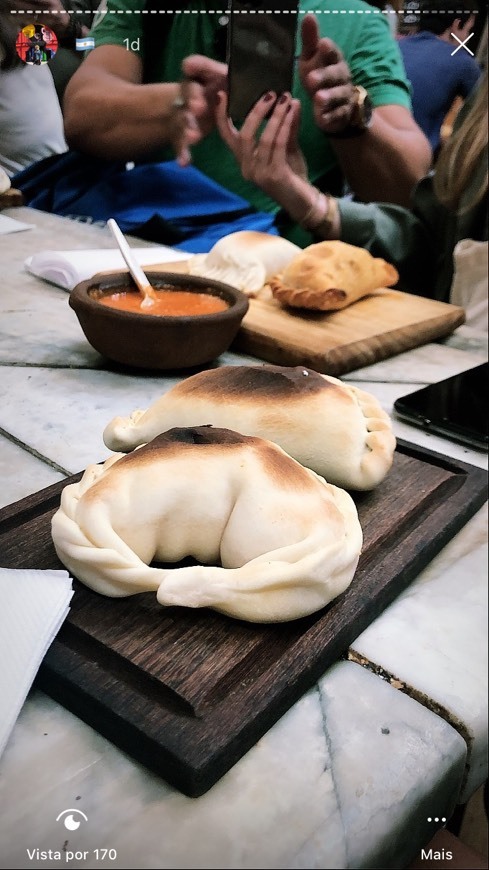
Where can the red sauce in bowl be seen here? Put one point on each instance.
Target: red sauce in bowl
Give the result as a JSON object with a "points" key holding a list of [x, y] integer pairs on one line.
{"points": [[172, 303]]}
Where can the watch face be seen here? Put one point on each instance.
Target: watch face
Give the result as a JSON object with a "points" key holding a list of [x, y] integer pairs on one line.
{"points": [[364, 110], [361, 118]]}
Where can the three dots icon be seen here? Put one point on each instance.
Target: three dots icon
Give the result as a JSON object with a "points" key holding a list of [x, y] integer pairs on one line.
{"points": [[436, 819]]}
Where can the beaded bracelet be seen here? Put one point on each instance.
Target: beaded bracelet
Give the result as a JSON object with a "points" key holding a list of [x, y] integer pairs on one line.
{"points": [[321, 216], [325, 229], [315, 213]]}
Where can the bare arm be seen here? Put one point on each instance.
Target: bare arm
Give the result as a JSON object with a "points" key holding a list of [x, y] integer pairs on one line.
{"points": [[387, 160], [385, 163], [110, 114]]}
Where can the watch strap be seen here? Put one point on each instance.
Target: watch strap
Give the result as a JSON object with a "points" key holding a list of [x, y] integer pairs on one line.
{"points": [[361, 117]]}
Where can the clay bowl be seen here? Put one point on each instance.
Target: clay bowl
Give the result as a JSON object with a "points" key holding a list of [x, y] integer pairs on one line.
{"points": [[157, 342]]}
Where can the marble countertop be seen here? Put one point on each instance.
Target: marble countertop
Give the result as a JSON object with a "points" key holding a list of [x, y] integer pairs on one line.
{"points": [[351, 775]]}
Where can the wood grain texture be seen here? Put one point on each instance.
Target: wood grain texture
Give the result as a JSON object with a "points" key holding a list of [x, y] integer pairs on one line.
{"points": [[189, 692], [179, 267], [379, 326], [374, 328]]}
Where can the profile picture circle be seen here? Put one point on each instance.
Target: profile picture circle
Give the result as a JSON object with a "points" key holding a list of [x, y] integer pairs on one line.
{"points": [[36, 44]]}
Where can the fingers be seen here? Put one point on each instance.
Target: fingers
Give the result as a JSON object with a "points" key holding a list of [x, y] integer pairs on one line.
{"points": [[295, 121], [209, 77], [332, 71], [251, 149], [189, 136], [266, 147], [199, 104], [326, 68], [310, 37], [225, 126], [204, 70], [277, 141], [194, 97], [183, 156], [327, 100], [334, 119], [330, 76], [329, 52], [187, 133], [242, 142], [250, 128], [326, 78], [264, 160], [273, 134]]}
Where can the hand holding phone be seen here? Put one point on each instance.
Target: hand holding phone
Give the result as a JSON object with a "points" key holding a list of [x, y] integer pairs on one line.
{"points": [[194, 104], [268, 154]]}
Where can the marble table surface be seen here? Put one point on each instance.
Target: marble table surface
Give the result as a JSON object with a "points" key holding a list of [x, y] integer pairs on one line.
{"points": [[362, 770]]}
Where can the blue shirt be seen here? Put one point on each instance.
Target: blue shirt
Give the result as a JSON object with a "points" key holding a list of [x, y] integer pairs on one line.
{"points": [[436, 78]]}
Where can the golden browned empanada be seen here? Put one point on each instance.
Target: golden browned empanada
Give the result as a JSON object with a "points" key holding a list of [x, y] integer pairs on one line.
{"points": [[287, 541], [329, 276], [334, 428]]}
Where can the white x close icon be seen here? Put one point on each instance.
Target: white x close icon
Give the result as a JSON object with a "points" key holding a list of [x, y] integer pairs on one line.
{"points": [[462, 44]]}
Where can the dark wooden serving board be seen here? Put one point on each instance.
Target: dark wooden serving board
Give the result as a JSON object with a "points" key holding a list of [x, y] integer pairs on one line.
{"points": [[189, 692]]}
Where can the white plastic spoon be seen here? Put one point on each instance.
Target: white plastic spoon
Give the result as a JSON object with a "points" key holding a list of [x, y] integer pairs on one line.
{"points": [[140, 279]]}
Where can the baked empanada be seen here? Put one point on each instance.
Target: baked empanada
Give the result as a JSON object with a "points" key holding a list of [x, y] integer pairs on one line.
{"points": [[246, 260], [331, 275], [287, 541], [334, 428]]}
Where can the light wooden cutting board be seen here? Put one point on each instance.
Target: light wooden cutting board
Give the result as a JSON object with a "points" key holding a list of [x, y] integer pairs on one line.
{"points": [[374, 328]]}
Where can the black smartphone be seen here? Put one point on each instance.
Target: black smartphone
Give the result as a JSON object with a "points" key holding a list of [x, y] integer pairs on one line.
{"points": [[455, 408], [260, 52]]}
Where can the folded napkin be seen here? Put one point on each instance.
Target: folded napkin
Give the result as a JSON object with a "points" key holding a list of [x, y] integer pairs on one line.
{"points": [[33, 606], [68, 268], [11, 225]]}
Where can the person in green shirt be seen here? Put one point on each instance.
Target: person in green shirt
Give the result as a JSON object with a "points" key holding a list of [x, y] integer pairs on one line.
{"points": [[125, 102]]}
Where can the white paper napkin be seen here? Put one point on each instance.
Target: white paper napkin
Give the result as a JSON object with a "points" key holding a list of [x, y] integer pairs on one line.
{"points": [[10, 225], [33, 607], [68, 268]]}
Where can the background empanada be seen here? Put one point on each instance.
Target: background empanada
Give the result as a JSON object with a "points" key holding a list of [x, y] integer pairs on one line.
{"points": [[334, 428], [246, 259], [331, 275]]}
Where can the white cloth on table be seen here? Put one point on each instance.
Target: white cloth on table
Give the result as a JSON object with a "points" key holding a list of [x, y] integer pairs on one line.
{"points": [[67, 268]]}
